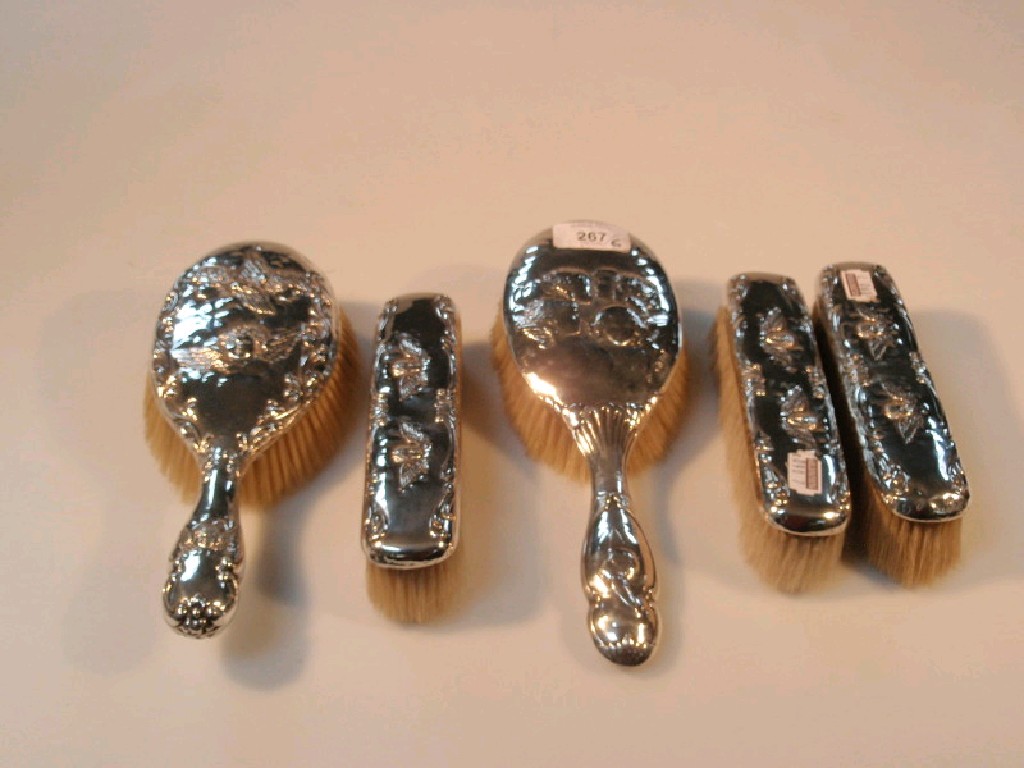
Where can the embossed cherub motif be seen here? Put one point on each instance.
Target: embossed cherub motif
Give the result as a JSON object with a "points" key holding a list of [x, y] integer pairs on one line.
{"points": [[226, 315], [607, 306]]}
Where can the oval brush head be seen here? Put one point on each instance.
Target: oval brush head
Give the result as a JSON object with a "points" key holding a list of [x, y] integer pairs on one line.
{"points": [[547, 439], [293, 459]]}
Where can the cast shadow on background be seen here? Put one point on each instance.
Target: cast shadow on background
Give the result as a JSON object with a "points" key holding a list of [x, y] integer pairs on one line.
{"points": [[268, 642], [113, 616], [503, 575], [971, 377], [677, 527]]}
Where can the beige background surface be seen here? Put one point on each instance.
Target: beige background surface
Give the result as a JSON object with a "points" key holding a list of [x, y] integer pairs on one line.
{"points": [[414, 147]]}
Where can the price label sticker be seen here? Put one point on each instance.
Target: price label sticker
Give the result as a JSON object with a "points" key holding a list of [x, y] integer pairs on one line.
{"points": [[591, 236], [803, 472], [858, 285]]}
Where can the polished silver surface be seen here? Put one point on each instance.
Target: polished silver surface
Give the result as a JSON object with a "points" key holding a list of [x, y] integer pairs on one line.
{"points": [[902, 433], [596, 334], [792, 427], [244, 342], [410, 507]]}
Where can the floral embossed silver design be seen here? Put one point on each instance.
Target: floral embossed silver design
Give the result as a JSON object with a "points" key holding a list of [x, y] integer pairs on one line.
{"points": [[752, 376], [595, 335], [409, 366], [618, 578], [776, 337], [800, 419], [786, 404], [244, 342], [410, 454], [901, 429], [410, 510], [902, 409], [579, 307]]}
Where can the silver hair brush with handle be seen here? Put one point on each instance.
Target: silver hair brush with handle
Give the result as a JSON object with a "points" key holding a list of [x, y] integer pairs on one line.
{"points": [[591, 322]]}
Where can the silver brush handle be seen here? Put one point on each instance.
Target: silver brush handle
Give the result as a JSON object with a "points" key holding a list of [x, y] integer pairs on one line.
{"points": [[617, 564], [207, 562]]}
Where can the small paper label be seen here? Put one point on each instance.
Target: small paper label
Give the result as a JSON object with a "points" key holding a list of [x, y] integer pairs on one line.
{"points": [[803, 472], [858, 285], [591, 236]]}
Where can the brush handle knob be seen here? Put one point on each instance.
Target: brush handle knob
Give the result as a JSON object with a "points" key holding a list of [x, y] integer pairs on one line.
{"points": [[207, 562], [618, 567], [619, 579]]}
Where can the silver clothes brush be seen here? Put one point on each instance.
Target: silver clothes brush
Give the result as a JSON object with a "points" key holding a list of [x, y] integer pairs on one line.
{"points": [[912, 490], [411, 501], [781, 430], [245, 348], [591, 323]]}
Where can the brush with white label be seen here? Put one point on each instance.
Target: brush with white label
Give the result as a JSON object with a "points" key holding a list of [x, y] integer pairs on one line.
{"points": [[411, 501], [781, 433], [543, 431], [590, 332], [910, 491]]}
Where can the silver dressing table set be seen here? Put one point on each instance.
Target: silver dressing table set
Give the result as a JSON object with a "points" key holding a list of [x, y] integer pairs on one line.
{"points": [[252, 361]]}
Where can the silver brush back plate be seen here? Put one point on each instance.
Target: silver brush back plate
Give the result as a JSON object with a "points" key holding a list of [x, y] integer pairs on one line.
{"points": [[902, 434], [790, 422], [244, 341], [588, 327], [410, 509]]}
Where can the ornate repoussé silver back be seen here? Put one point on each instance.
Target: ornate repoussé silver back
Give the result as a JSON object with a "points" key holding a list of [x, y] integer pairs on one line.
{"points": [[245, 341], [789, 417], [410, 508], [596, 334], [902, 433]]}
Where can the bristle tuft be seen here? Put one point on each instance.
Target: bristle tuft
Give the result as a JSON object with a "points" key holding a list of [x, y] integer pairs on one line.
{"points": [[788, 562], [175, 460], [912, 553], [291, 460], [414, 595], [547, 439]]}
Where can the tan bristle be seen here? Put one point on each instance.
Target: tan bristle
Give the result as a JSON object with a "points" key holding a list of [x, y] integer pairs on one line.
{"points": [[292, 459], [910, 552], [415, 595], [789, 562], [547, 439]]}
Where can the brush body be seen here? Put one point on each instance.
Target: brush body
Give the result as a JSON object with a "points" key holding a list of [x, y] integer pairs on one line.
{"points": [[911, 490], [591, 325], [245, 347], [411, 501], [781, 432]]}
